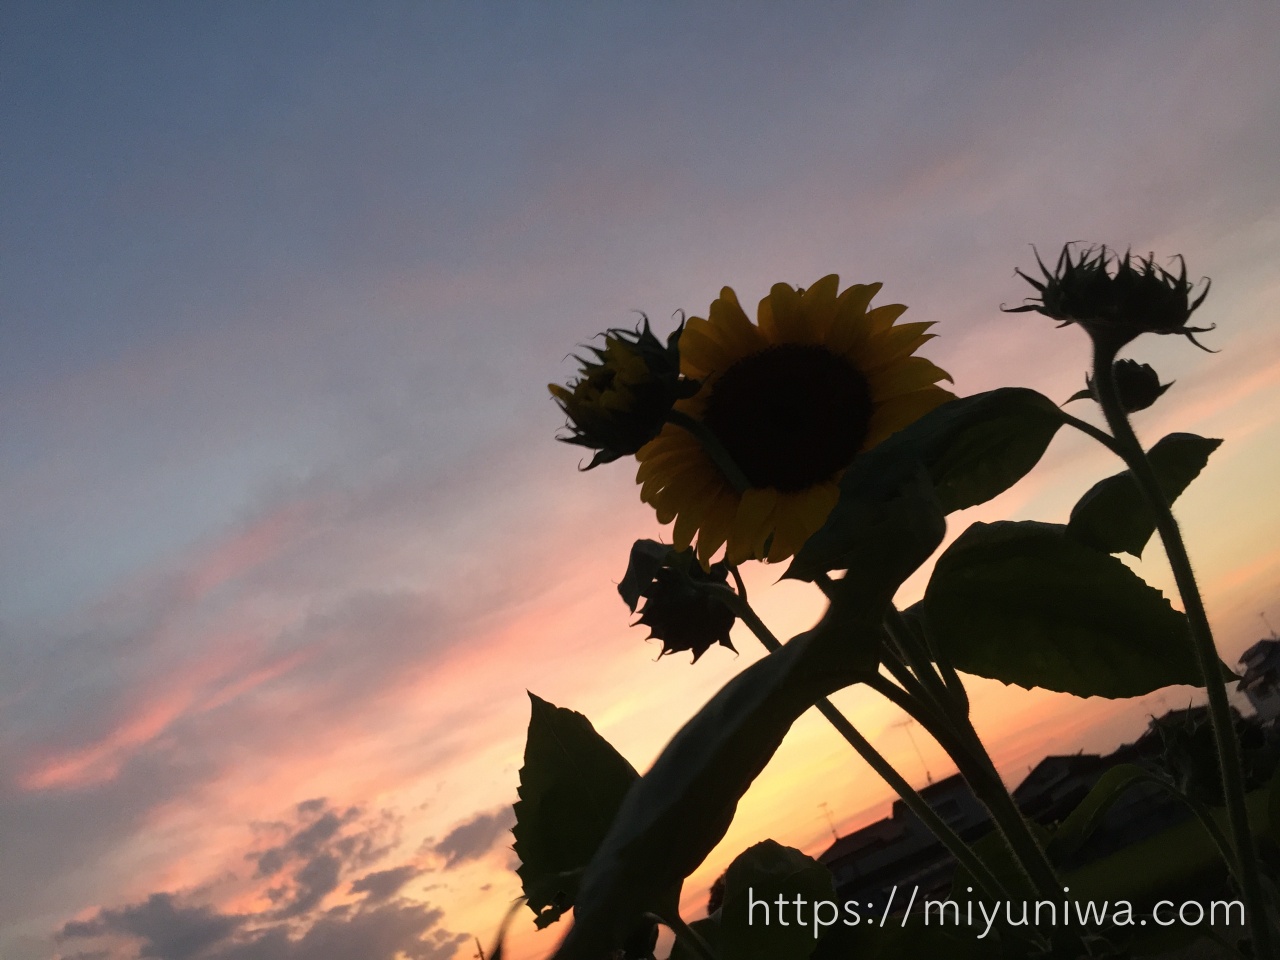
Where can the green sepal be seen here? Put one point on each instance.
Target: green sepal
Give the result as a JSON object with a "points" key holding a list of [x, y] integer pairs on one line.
{"points": [[1114, 517]]}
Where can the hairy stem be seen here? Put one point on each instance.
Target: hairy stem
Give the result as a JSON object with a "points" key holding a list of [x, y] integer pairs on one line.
{"points": [[970, 757], [1202, 642], [910, 796]]}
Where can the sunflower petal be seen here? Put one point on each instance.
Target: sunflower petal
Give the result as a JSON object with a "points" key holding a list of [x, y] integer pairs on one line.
{"points": [[751, 524], [716, 526], [779, 313], [738, 334], [883, 317], [905, 376], [894, 414], [701, 350]]}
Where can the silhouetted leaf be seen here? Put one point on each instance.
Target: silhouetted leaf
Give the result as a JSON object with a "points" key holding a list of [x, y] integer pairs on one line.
{"points": [[1114, 517], [571, 786], [896, 494], [1024, 603]]}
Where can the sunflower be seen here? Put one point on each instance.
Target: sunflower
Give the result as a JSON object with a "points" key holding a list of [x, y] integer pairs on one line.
{"points": [[623, 392], [788, 402]]}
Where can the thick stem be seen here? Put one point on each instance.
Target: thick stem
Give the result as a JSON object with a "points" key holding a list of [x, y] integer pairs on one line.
{"points": [[910, 796], [980, 773], [1202, 642], [944, 685]]}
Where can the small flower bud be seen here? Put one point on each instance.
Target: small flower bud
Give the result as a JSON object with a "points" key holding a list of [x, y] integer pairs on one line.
{"points": [[1138, 384], [682, 607]]}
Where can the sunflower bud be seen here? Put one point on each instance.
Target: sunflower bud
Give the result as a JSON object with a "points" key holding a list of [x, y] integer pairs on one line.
{"points": [[1115, 299], [623, 393], [1137, 383], [682, 606]]}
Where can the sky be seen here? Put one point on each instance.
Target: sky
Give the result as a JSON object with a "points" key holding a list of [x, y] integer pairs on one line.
{"points": [[284, 532]]}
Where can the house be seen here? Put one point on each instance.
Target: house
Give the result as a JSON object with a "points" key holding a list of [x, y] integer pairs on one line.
{"points": [[899, 850], [1261, 680]]}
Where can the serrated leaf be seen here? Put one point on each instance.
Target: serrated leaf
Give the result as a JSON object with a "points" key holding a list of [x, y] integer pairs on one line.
{"points": [[1025, 603], [1114, 517], [760, 875], [571, 786], [681, 808]]}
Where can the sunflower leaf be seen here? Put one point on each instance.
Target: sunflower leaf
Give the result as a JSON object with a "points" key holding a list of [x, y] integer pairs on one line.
{"points": [[1114, 517], [977, 447], [968, 451], [1025, 603], [678, 811], [878, 527], [571, 785]]}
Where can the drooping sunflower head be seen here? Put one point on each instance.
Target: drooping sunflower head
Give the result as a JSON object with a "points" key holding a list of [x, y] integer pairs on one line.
{"points": [[623, 393], [785, 404]]}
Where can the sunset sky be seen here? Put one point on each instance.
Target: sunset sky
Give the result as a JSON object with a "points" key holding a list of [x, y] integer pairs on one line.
{"points": [[284, 532]]}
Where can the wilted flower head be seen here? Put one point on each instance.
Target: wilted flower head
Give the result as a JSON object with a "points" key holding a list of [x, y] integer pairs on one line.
{"points": [[1115, 298], [623, 392], [1138, 385], [681, 606]]}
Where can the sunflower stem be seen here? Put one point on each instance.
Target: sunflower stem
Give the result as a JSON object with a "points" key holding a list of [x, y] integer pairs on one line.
{"points": [[714, 449], [950, 678], [1201, 637], [971, 759], [874, 759], [919, 659], [1097, 433]]}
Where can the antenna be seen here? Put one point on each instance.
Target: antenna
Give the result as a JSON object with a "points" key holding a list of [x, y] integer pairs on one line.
{"points": [[906, 725], [826, 809]]}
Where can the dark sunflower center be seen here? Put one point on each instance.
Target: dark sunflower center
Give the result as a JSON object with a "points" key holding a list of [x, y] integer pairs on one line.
{"points": [[790, 416]]}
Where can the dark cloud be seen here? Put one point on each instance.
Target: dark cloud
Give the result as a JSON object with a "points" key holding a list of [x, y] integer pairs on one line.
{"points": [[473, 838], [319, 848], [167, 930], [384, 884], [317, 878], [315, 853], [387, 931]]}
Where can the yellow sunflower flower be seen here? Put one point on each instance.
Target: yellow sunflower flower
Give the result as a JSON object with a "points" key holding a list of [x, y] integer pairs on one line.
{"points": [[791, 400]]}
